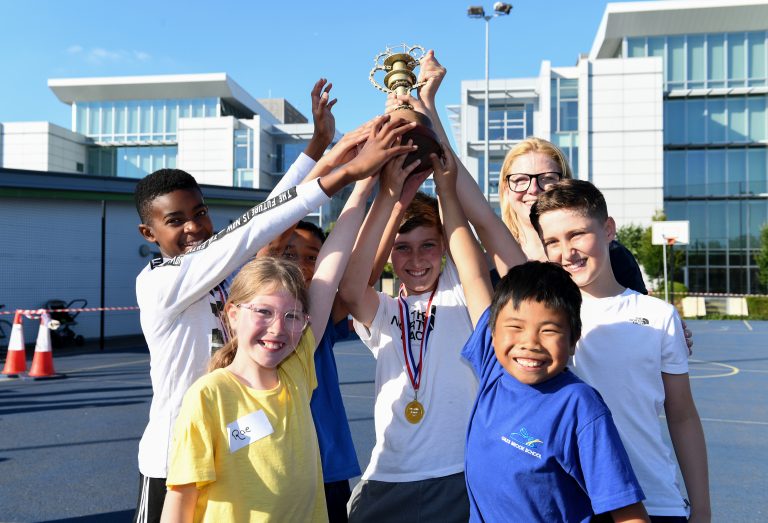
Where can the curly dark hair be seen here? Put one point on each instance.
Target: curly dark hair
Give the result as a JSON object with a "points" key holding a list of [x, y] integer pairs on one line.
{"points": [[157, 184]]}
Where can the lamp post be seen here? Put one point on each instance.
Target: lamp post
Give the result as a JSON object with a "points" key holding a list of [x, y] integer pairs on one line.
{"points": [[499, 9]]}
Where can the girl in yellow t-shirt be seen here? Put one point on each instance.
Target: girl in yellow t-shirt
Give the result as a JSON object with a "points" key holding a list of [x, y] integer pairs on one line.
{"points": [[244, 446]]}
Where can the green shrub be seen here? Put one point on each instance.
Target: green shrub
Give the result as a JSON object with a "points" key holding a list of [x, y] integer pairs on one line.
{"points": [[757, 307]]}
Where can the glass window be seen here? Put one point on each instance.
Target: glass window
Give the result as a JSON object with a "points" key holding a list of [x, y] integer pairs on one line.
{"points": [[94, 120], [715, 60], [715, 173], [635, 47], [106, 121], [756, 171], [737, 171], [674, 173], [737, 224], [569, 88], [133, 118], [171, 116], [758, 215], [81, 117], [696, 167], [674, 121], [696, 120], [737, 119], [656, 46], [736, 63], [158, 119], [145, 125], [696, 61], [697, 214], [184, 109], [120, 120], [716, 125], [198, 111], [756, 43], [756, 107], [528, 120], [675, 61], [675, 210], [569, 116]]}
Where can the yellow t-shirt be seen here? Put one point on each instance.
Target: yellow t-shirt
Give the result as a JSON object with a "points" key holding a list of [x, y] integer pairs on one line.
{"points": [[252, 453]]}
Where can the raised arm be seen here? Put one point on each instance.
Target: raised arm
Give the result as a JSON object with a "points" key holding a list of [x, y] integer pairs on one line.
{"points": [[687, 437], [179, 505], [355, 291], [334, 255], [494, 235], [464, 249]]}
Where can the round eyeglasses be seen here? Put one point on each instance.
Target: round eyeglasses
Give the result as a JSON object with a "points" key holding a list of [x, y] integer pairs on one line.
{"points": [[293, 321], [520, 182]]}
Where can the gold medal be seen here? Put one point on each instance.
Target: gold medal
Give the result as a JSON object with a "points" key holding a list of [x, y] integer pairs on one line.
{"points": [[414, 411]]}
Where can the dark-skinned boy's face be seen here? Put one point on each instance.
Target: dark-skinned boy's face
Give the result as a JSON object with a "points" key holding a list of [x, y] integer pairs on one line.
{"points": [[303, 248], [178, 222]]}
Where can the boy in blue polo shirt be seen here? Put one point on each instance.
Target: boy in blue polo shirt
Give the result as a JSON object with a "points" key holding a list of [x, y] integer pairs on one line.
{"points": [[541, 444]]}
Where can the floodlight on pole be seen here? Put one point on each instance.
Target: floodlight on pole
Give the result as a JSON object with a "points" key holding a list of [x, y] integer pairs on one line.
{"points": [[475, 11]]}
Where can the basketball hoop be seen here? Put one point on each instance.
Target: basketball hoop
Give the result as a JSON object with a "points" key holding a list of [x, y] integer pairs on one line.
{"points": [[671, 241]]}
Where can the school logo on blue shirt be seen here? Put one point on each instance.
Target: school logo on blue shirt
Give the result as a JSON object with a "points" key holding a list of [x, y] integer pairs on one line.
{"points": [[526, 439], [523, 441], [640, 321]]}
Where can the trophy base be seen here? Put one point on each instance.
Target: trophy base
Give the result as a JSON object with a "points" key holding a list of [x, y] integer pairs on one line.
{"points": [[422, 135]]}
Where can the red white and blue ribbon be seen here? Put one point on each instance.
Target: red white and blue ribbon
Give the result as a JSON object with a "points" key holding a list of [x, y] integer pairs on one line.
{"points": [[414, 369]]}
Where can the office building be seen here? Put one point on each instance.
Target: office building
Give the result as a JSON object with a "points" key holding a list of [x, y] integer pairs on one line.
{"points": [[667, 112]]}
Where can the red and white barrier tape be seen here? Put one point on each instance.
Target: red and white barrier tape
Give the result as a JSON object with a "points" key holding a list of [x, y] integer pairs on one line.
{"points": [[29, 312]]}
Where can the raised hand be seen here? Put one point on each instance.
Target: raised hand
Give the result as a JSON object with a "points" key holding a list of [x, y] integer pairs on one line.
{"points": [[325, 122], [394, 175], [382, 144], [431, 71], [446, 172], [346, 148]]}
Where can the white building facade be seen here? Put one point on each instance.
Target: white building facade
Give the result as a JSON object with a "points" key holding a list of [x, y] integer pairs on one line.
{"points": [[129, 127], [666, 113]]}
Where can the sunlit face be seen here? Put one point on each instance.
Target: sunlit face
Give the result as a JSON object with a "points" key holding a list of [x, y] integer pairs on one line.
{"points": [[303, 248], [417, 257], [532, 342], [530, 163], [580, 244], [266, 346], [178, 222]]}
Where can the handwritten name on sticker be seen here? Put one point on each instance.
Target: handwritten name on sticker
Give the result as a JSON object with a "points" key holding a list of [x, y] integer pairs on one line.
{"points": [[248, 429]]}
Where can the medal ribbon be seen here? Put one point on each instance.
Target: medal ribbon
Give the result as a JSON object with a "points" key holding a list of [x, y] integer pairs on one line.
{"points": [[414, 370]]}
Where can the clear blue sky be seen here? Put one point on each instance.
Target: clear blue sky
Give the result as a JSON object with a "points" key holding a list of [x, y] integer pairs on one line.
{"points": [[273, 48]]}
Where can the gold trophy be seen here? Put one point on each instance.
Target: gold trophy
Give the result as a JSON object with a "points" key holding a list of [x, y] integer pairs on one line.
{"points": [[398, 62]]}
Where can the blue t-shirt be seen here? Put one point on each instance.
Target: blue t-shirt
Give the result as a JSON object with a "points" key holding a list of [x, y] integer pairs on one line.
{"points": [[545, 452], [337, 452]]}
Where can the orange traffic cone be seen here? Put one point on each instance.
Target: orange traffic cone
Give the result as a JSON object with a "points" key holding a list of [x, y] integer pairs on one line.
{"points": [[16, 358], [42, 362]]}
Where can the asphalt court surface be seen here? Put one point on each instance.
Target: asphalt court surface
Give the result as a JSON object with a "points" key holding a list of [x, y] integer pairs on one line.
{"points": [[68, 447]]}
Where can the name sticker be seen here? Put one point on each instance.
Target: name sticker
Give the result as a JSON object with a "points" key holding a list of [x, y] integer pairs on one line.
{"points": [[248, 429]]}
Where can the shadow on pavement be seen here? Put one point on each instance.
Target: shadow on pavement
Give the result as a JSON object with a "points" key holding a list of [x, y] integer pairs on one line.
{"points": [[121, 516]]}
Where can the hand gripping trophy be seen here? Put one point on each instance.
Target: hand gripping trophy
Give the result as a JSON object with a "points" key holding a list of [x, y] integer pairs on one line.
{"points": [[398, 62]]}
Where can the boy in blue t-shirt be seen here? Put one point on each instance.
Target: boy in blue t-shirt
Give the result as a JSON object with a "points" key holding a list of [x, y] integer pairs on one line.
{"points": [[541, 444]]}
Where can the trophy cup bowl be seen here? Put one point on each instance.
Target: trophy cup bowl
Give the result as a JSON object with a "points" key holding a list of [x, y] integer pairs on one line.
{"points": [[399, 62]]}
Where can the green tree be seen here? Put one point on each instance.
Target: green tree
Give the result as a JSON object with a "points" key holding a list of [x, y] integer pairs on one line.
{"points": [[762, 258], [650, 256], [631, 237]]}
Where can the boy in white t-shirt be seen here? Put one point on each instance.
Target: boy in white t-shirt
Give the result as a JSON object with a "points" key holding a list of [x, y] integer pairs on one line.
{"points": [[424, 390], [632, 350]]}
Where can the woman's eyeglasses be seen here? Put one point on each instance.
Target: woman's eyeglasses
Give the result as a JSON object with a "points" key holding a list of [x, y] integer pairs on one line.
{"points": [[520, 182]]}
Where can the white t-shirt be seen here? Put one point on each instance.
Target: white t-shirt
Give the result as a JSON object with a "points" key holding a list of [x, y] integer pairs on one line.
{"points": [[627, 341], [434, 447], [181, 301]]}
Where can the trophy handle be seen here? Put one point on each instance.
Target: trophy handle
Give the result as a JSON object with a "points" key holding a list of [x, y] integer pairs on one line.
{"points": [[380, 66]]}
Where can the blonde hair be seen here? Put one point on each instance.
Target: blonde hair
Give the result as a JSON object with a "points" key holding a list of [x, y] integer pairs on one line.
{"points": [[529, 145], [262, 275]]}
